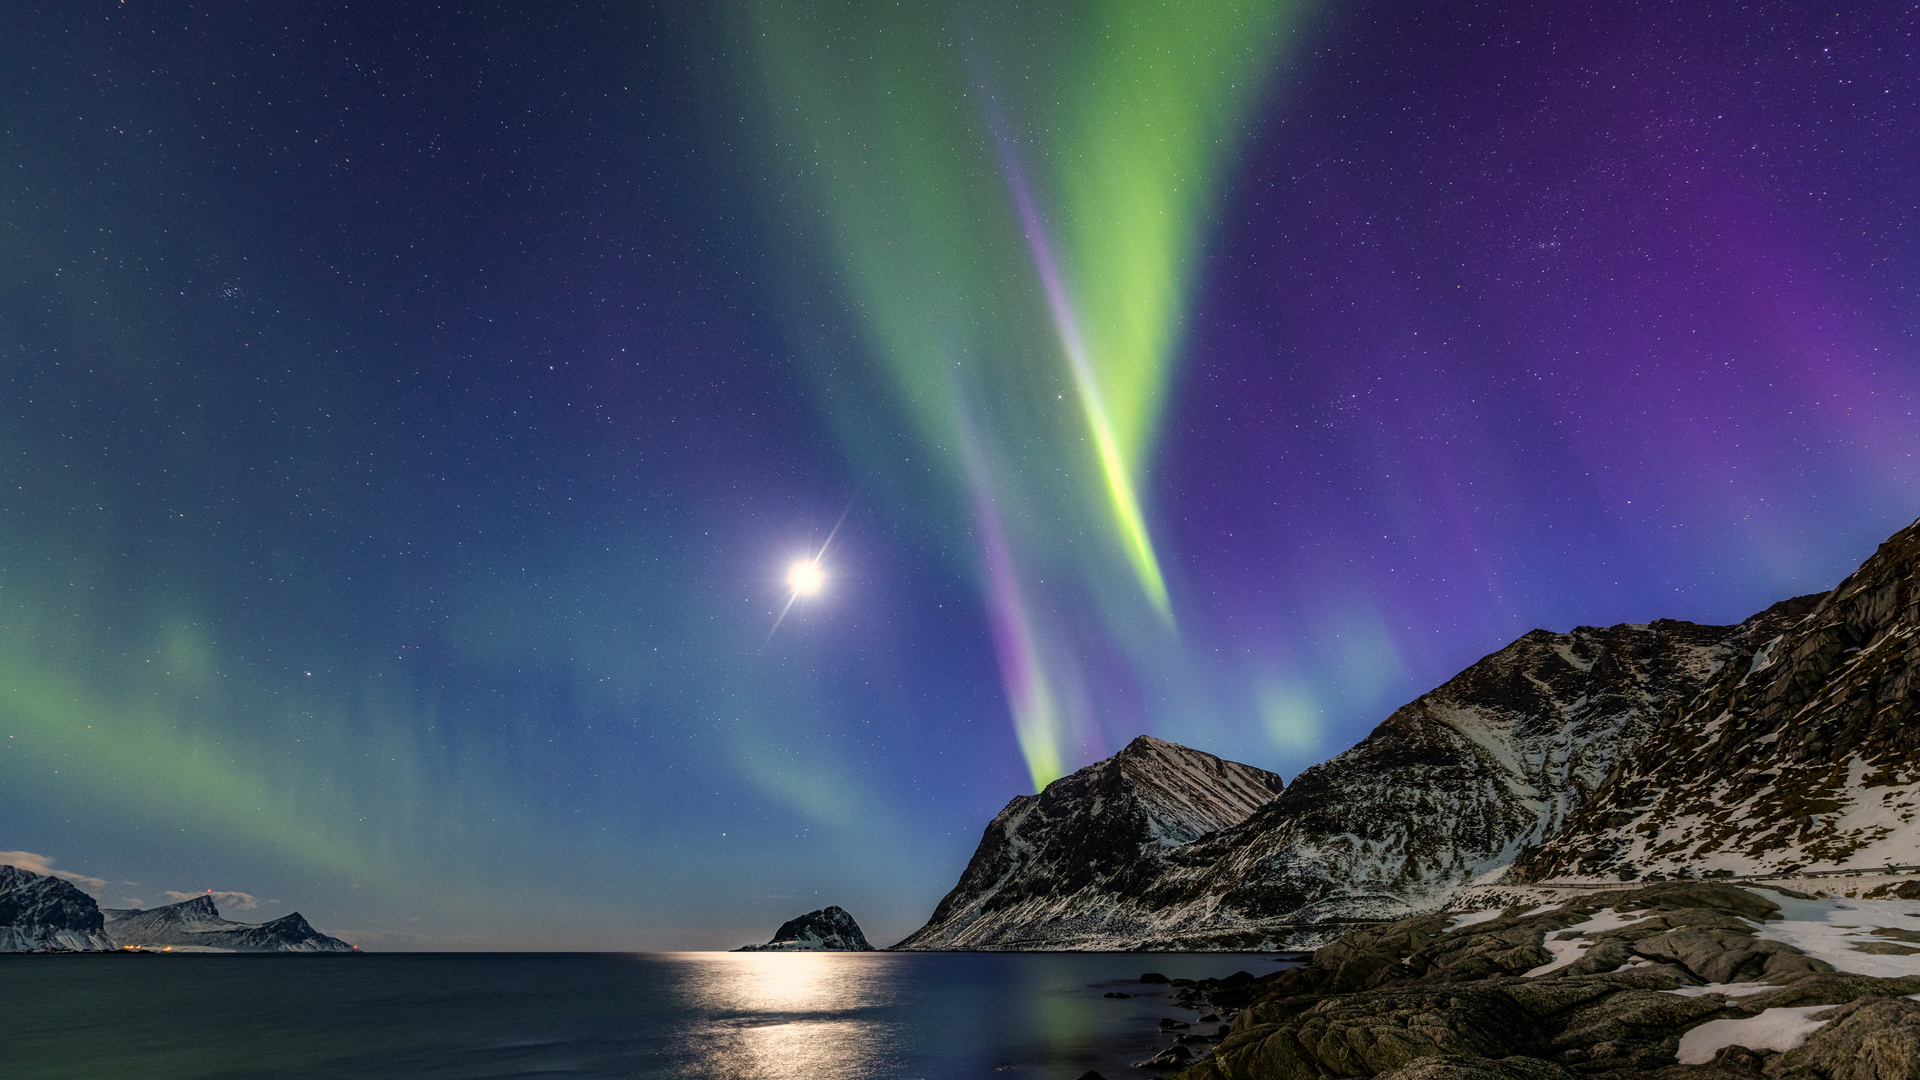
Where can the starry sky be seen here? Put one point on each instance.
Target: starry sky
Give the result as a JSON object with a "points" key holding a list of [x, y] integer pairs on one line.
{"points": [[409, 414]]}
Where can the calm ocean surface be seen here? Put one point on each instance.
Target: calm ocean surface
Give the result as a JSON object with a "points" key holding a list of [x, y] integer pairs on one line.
{"points": [[725, 1016]]}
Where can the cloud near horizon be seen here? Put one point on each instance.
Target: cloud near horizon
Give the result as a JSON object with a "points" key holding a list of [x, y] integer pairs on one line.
{"points": [[221, 898], [43, 864]]}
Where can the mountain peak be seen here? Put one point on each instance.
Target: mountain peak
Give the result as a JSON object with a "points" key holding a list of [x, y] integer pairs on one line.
{"points": [[1054, 868], [197, 922], [41, 913]]}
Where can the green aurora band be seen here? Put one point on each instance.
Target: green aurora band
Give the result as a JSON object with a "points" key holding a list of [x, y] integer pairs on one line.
{"points": [[1013, 200]]}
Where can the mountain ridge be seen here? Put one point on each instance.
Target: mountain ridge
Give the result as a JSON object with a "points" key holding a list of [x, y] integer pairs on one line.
{"points": [[196, 923], [40, 913], [1058, 868], [1800, 753], [1542, 758]]}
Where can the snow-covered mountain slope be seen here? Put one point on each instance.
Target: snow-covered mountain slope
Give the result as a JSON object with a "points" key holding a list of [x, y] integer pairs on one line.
{"points": [[196, 923], [1455, 784], [1067, 868], [830, 929], [44, 914], [1449, 789], [1803, 750]]}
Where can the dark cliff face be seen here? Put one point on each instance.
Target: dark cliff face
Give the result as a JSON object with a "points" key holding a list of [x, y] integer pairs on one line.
{"points": [[28, 899], [1804, 749], [1062, 868], [39, 913]]}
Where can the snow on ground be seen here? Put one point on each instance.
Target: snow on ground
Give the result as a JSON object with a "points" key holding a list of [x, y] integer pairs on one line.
{"points": [[1474, 918], [1774, 1029], [1836, 931], [1729, 989], [1571, 949]]}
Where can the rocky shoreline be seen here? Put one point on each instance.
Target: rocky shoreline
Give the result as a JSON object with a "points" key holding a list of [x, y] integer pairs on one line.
{"points": [[1673, 981]]}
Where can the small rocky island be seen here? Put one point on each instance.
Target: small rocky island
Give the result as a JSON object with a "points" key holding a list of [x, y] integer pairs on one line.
{"points": [[39, 913], [830, 929]]}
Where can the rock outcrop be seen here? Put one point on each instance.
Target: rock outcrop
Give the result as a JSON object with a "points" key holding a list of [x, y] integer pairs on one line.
{"points": [[1802, 750], [830, 929], [39, 913], [1607, 986], [196, 924], [1075, 866]]}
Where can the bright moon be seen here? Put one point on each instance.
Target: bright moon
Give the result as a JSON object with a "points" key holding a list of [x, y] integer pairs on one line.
{"points": [[805, 577]]}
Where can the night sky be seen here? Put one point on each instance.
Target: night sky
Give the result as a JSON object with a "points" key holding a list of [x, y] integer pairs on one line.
{"points": [[409, 414]]}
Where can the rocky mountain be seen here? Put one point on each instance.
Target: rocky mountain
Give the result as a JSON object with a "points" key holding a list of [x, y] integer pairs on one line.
{"points": [[1672, 981], [1072, 867], [1454, 785], [830, 929], [1449, 789], [196, 923], [1803, 749], [1664, 748], [45, 914]]}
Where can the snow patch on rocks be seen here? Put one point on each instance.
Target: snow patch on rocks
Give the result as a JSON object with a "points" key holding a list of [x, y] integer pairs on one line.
{"points": [[1774, 1029]]}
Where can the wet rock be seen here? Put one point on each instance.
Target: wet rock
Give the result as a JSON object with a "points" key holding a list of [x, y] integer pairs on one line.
{"points": [[1170, 1024], [1171, 1058], [1154, 977], [1116, 994]]}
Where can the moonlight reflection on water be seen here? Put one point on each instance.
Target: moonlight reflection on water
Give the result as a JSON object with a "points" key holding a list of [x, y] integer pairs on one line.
{"points": [[674, 1016]]}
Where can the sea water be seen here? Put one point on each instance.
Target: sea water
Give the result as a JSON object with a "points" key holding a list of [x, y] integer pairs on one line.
{"points": [[685, 1016]]}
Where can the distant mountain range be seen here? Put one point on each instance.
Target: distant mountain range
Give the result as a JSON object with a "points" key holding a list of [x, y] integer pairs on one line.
{"points": [[1655, 750], [196, 923], [44, 914]]}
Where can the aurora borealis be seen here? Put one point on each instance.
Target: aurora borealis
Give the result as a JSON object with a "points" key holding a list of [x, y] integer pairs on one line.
{"points": [[412, 414]]}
